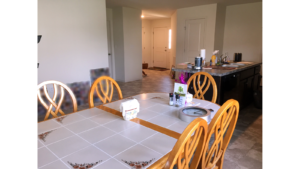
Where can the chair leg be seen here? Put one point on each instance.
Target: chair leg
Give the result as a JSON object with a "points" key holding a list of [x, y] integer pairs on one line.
{"points": [[220, 162], [144, 73]]}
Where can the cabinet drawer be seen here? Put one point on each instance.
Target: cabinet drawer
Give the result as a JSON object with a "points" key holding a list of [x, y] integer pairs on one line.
{"points": [[257, 70], [246, 73]]}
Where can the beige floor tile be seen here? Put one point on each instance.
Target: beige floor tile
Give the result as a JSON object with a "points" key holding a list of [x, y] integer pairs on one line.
{"points": [[255, 155]]}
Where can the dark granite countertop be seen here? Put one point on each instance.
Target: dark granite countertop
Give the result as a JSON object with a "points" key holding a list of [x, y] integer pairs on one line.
{"points": [[218, 72]]}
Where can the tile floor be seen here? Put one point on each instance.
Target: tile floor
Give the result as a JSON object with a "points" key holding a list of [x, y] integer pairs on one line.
{"points": [[245, 148]]}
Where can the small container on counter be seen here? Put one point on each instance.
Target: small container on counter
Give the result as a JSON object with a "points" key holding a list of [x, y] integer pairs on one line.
{"points": [[178, 101], [171, 102]]}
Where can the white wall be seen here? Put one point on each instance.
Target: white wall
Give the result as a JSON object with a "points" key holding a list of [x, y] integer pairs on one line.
{"points": [[132, 25], [243, 31], [127, 43], [74, 39], [205, 11], [173, 38], [118, 43]]}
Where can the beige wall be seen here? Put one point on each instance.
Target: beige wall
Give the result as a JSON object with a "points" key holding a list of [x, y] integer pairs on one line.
{"points": [[118, 39], [127, 33], [219, 32], [243, 31], [205, 11], [173, 40], [74, 39], [132, 43]]}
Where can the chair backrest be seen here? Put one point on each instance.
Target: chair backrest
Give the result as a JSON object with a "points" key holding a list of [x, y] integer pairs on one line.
{"points": [[222, 127], [107, 92], [185, 146], [52, 101], [199, 89]]}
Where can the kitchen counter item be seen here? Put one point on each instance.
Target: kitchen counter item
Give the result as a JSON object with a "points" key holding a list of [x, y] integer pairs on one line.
{"points": [[220, 67], [219, 72], [198, 61]]}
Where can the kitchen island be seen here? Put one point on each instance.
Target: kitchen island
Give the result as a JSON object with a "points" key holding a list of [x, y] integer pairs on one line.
{"points": [[238, 83]]}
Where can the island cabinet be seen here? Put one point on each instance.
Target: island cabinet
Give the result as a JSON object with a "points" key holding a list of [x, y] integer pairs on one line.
{"points": [[238, 84]]}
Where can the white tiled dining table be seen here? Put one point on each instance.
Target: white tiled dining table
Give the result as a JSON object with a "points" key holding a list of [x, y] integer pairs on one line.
{"points": [[99, 138]]}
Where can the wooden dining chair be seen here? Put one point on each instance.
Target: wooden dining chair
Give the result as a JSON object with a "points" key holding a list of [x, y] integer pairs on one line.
{"points": [[104, 87], [221, 127], [184, 149], [52, 101], [201, 89]]}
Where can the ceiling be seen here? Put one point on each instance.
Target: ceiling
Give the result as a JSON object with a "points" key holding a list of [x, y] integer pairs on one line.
{"points": [[156, 9]]}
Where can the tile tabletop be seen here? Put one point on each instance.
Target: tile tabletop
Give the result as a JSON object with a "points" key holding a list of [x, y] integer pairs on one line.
{"points": [[95, 138]]}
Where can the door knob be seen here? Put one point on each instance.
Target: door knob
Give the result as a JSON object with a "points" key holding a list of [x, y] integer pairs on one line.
{"points": [[109, 54]]}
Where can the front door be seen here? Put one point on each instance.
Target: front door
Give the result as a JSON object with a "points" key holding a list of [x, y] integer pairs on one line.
{"points": [[160, 47]]}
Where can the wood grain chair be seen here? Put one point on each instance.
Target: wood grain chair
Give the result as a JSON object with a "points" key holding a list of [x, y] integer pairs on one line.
{"points": [[52, 101], [184, 149], [201, 89], [104, 89], [221, 127]]}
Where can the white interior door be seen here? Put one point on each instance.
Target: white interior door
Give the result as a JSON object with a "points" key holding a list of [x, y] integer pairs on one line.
{"points": [[194, 38], [160, 47], [110, 57]]}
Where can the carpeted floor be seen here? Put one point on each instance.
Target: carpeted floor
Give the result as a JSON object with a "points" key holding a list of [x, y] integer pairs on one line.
{"points": [[245, 148]]}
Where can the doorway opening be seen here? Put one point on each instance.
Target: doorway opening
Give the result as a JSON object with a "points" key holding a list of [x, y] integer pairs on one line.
{"points": [[156, 45]]}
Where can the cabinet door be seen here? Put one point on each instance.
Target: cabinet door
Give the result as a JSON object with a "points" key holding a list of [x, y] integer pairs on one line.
{"points": [[255, 82], [230, 87], [242, 93], [249, 90]]}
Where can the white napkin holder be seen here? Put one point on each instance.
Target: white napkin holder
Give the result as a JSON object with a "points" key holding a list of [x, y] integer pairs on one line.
{"points": [[189, 98], [130, 109]]}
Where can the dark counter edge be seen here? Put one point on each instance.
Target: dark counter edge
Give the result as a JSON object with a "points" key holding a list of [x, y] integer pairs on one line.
{"points": [[226, 72]]}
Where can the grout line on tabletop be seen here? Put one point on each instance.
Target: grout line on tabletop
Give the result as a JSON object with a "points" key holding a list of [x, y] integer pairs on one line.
{"points": [[57, 156], [54, 162], [84, 147]]}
